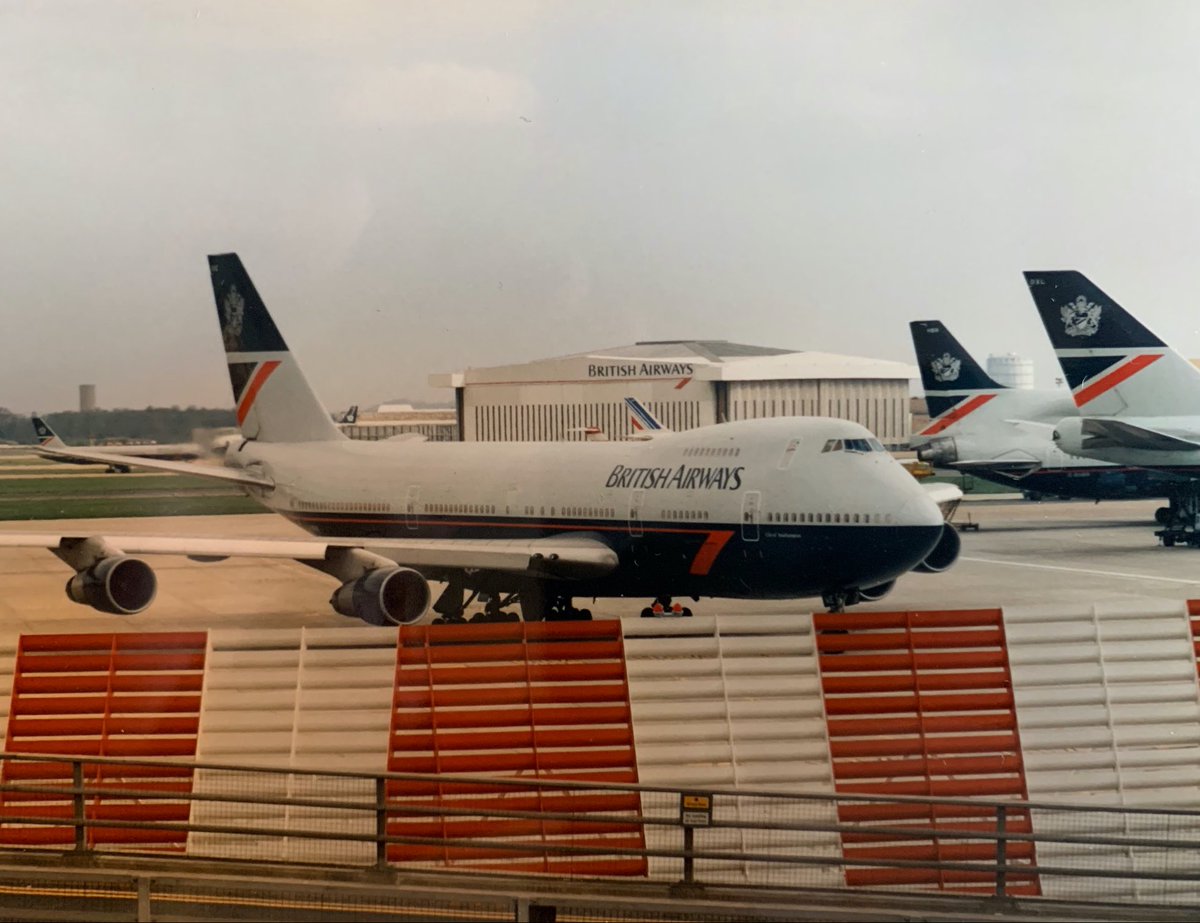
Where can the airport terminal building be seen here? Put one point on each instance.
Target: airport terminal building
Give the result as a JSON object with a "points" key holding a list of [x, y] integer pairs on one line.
{"points": [[685, 383]]}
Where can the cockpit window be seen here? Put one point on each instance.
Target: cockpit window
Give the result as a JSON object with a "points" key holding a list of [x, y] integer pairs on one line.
{"points": [[853, 445]]}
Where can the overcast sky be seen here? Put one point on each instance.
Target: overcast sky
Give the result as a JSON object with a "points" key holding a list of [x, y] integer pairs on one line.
{"points": [[420, 187]]}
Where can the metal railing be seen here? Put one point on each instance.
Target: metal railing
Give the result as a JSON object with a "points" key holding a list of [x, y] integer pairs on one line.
{"points": [[580, 830]]}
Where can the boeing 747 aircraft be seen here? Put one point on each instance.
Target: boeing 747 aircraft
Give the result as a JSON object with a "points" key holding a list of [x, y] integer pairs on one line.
{"points": [[767, 509], [50, 445], [1005, 434], [1138, 399]]}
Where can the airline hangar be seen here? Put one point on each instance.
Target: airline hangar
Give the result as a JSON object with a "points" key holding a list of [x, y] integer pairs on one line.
{"points": [[685, 383]]}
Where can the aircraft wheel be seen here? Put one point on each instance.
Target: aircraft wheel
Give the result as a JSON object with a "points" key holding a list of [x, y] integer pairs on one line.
{"points": [[687, 613], [647, 613], [584, 615]]}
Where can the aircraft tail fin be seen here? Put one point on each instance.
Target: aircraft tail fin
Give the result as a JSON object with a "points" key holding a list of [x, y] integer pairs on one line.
{"points": [[47, 438], [273, 398], [645, 424], [955, 384], [1114, 364]]}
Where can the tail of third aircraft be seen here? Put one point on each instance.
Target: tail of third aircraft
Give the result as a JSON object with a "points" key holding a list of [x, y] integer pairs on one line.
{"points": [[46, 437], [955, 385], [1114, 364], [274, 401]]}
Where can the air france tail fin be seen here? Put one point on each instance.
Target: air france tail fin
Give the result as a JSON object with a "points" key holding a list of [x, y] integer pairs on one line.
{"points": [[47, 438], [274, 401], [1113, 363], [955, 385], [645, 424]]}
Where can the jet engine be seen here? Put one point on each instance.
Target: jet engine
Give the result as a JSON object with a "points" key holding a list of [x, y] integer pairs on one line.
{"points": [[872, 594], [1069, 436], [939, 452], [944, 553], [118, 585], [384, 596]]}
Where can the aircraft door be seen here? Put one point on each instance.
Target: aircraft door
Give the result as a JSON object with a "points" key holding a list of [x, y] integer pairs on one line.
{"points": [[751, 513], [635, 512], [412, 505]]}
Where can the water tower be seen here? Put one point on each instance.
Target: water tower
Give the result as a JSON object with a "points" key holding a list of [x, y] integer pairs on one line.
{"points": [[1011, 370]]}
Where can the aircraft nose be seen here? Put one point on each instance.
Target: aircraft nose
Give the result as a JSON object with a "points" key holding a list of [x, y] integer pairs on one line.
{"points": [[920, 510]]}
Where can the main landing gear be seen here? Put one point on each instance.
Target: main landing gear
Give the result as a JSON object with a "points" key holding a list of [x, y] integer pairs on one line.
{"points": [[664, 607], [1181, 520], [452, 607]]}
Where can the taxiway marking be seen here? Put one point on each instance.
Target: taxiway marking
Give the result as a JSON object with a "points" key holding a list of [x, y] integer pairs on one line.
{"points": [[1081, 570]]}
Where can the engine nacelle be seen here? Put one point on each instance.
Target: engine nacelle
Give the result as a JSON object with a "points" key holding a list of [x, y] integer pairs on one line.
{"points": [[874, 593], [944, 553], [384, 596], [118, 585], [1069, 437], [939, 452]]}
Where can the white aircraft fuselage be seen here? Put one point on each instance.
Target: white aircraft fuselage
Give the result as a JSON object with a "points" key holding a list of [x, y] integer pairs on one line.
{"points": [[756, 508]]}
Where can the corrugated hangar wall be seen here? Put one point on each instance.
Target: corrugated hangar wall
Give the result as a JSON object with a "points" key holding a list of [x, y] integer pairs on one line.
{"points": [[557, 412], [1096, 705], [546, 412], [880, 405]]}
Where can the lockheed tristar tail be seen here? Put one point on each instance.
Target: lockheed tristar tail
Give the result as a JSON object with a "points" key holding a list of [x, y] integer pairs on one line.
{"points": [[1005, 434], [773, 508], [1138, 400]]}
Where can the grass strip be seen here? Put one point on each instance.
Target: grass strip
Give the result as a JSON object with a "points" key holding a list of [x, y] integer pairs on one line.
{"points": [[16, 488], [112, 507]]}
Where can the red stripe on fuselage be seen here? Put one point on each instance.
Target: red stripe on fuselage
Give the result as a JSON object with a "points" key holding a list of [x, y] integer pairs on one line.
{"points": [[1114, 378], [256, 383], [956, 413], [703, 562]]}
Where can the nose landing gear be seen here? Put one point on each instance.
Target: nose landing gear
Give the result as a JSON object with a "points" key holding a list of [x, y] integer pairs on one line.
{"points": [[838, 600], [663, 607]]}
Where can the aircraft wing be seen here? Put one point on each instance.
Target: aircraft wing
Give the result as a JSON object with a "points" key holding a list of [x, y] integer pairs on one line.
{"points": [[1017, 467], [1033, 427], [1100, 433], [946, 496], [568, 556], [158, 464]]}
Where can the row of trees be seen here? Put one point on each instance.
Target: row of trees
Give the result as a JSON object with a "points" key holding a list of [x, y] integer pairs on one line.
{"points": [[160, 424]]}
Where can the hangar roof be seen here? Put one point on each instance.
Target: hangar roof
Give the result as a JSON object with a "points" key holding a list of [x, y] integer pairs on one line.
{"points": [[709, 360]]}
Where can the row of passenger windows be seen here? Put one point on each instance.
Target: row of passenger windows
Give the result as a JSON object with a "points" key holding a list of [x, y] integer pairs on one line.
{"points": [[830, 517], [343, 507], [854, 445], [589, 512], [686, 515], [712, 451], [472, 508]]}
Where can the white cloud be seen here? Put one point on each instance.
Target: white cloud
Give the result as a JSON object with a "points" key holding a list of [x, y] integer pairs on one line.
{"points": [[433, 92]]}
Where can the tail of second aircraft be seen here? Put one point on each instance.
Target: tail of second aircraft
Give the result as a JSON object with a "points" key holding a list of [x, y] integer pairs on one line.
{"points": [[645, 424], [955, 385], [274, 401], [1113, 363], [46, 437]]}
